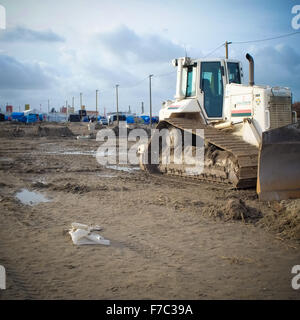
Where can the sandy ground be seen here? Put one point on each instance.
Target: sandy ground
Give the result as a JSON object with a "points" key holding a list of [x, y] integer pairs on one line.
{"points": [[167, 242]]}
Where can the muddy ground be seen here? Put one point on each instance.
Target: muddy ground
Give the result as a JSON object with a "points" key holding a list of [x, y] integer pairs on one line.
{"points": [[170, 239]]}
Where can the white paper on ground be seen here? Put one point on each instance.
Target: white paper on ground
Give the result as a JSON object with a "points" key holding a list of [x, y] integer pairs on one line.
{"points": [[85, 236], [76, 225], [83, 137]]}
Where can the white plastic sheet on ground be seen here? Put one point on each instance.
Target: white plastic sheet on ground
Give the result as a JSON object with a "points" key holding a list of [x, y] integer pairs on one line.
{"points": [[82, 234], [84, 137]]}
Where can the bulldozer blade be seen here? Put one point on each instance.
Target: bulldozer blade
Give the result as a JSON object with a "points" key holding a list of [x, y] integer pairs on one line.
{"points": [[279, 164]]}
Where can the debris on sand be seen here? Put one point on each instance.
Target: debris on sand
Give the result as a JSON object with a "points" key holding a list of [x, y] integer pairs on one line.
{"points": [[234, 209], [82, 234], [73, 188], [284, 219]]}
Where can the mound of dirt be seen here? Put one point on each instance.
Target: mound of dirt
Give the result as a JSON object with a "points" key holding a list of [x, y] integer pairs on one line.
{"points": [[43, 131], [146, 129], [11, 132], [284, 219], [34, 131], [40, 185], [234, 209], [99, 126], [73, 188]]}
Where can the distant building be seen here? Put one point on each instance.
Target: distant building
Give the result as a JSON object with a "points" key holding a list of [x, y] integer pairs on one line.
{"points": [[92, 112], [9, 109], [71, 110]]}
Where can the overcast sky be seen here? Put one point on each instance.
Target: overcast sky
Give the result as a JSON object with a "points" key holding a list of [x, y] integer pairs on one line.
{"points": [[56, 49]]}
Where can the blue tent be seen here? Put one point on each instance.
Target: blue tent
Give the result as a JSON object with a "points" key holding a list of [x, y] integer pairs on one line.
{"points": [[100, 117], [31, 118], [17, 115], [146, 119], [130, 119]]}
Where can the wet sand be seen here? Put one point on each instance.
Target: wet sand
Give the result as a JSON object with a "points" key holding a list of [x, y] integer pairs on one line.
{"points": [[166, 241]]}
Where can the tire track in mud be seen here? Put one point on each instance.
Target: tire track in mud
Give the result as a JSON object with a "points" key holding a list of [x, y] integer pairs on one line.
{"points": [[17, 282], [172, 261], [178, 180], [23, 282], [149, 252]]}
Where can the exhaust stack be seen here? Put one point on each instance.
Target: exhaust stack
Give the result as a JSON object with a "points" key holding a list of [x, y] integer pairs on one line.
{"points": [[251, 69]]}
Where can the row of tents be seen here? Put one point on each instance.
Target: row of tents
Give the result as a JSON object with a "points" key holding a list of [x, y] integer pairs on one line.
{"points": [[25, 117], [131, 119], [29, 117]]}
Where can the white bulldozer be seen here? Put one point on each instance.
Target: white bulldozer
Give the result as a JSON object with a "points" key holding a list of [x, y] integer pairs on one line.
{"points": [[251, 135]]}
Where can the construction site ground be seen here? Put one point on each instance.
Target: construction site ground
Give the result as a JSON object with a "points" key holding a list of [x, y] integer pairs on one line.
{"points": [[170, 238]]}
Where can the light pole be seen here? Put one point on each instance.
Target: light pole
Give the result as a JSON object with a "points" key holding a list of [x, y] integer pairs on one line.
{"points": [[117, 97], [97, 103], [150, 76], [67, 109], [80, 100]]}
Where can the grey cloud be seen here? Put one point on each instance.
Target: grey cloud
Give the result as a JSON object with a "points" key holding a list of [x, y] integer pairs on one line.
{"points": [[17, 75], [29, 35], [284, 57], [111, 76], [278, 66], [125, 43]]}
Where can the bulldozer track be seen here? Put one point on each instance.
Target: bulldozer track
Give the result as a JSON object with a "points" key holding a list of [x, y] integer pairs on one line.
{"points": [[245, 154], [175, 178]]}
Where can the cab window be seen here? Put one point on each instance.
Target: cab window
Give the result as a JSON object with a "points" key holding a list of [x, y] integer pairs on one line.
{"points": [[189, 80], [233, 72], [212, 86]]}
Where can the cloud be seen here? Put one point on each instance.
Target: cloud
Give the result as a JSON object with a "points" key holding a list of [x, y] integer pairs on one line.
{"points": [[278, 66], [111, 76], [20, 75], [29, 35], [283, 56], [126, 43]]}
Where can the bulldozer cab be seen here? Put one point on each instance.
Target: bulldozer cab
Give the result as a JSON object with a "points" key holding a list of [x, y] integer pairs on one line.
{"points": [[212, 82], [206, 81], [214, 75]]}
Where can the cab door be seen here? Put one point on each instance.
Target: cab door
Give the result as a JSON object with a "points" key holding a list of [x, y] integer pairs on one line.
{"points": [[212, 83]]}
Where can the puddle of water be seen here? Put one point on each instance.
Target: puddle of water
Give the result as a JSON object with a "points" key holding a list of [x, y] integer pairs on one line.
{"points": [[64, 152], [126, 169], [6, 159], [104, 175], [86, 153], [31, 197]]}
